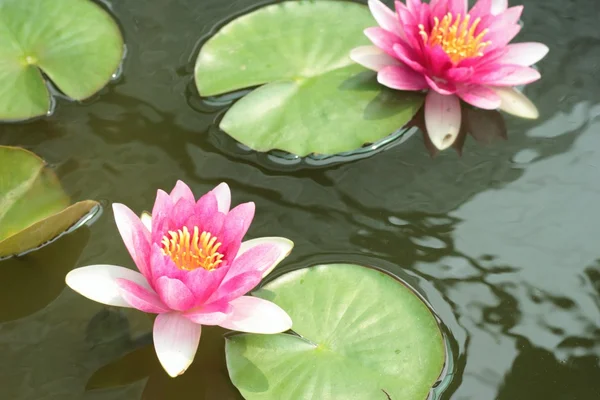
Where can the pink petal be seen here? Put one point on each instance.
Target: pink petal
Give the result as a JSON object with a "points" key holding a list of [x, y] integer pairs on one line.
{"points": [[135, 236], [507, 75], [408, 56], [163, 265], [516, 103], [206, 215], [500, 38], [235, 286], [383, 39], [261, 254], [480, 9], [457, 7], [443, 88], [401, 78], [385, 17], [176, 341], [372, 57], [479, 96], [139, 297], [442, 119], [160, 215], [181, 212], [524, 54], [413, 5], [235, 226], [175, 294], [254, 315], [502, 28], [499, 6], [99, 283], [212, 314], [203, 283], [406, 16], [439, 62], [223, 195], [182, 191], [460, 74]]}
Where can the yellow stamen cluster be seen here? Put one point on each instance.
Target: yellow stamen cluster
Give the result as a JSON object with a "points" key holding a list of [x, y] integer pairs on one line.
{"points": [[456, 37], [190, 252]]}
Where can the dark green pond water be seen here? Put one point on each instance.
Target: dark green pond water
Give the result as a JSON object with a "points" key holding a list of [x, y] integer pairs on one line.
{"points": [[504, 241]]}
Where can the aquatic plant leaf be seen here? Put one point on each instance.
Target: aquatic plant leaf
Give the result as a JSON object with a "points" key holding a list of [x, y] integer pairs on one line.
{"points": [[362, 335], [314, 99], [75, 43], [34, 209]]}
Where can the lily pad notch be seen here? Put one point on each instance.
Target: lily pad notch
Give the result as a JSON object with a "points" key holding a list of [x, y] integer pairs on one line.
{"points": [[361, 334], [312, 98], [76, 44], [34, 209]]}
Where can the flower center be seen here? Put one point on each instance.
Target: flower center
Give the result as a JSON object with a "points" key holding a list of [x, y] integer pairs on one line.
{"points": [[456, 37], [190, 252]]}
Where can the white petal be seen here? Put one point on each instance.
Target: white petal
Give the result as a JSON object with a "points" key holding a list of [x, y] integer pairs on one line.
{"points": [[223, 195], [386, 18], [442, 119], [372, 57], [176, 340], [98, 283], [516, 103], [146, 219], [499, 6], [254, 315], [524, 54], [285, 246]]}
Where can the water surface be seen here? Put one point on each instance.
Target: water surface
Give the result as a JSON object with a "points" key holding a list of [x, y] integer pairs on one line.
{"points": [[504, 241]]}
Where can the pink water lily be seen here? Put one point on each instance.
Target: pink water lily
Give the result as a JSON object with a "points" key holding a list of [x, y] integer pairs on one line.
{"points": [[454, 53], [194, 270]]}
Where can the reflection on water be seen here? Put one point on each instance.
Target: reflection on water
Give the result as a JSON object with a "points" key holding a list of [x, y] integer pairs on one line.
{"points": [[503, 241]]}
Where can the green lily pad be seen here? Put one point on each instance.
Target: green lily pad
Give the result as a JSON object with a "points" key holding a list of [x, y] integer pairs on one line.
{"points": [[73, 42], [362, 335], [314, 98], [34, 209]]}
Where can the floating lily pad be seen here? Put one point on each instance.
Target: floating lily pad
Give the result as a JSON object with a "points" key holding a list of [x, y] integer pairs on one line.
{"points": [[362, 335], [75, 43], [314, 99], [33, 206]]}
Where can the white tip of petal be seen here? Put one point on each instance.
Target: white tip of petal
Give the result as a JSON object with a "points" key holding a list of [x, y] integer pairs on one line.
{"points": [[176, 341], [146, 219], [372, 57], [223, 195], [516, 103], [99, 283], [255, 315], [442, 119], [499, 6], [386, 18], [284, 245]]}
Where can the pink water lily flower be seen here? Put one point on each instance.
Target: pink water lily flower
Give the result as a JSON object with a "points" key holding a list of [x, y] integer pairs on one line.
{"points": [[454, 53], [194, 270]]}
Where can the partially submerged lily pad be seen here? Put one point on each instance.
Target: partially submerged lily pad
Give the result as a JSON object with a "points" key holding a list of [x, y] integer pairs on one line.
{"points": [[75, 43], [34, 209], [314, 98], [362, 335]]}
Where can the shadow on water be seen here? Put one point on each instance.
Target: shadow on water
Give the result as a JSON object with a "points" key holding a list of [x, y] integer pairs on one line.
{"points": [[503, 241]]}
